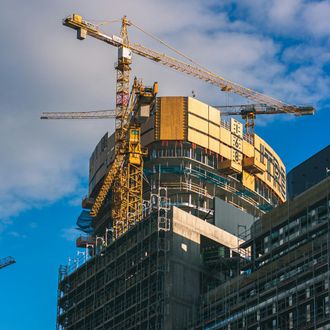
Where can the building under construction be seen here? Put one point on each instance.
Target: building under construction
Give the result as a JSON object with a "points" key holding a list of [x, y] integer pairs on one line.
{"points": [[186, 220], [184, 267], [196, 195], [284, 284]]}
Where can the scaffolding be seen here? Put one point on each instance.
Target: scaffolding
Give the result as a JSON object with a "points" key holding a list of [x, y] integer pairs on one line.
{"points": [[122, 285], [286, 283], [191, 175]]}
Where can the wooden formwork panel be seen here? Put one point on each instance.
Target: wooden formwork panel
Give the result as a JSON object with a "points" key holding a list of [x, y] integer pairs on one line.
{"points": [[248, 149], [172, 123], [214, 131], [198, 138], [265, 158], [225, 136], [237, 166], [198, 123], [214, 145], [214, 115], [257, 157], [198, 108], [225, 151], [248, 180]]}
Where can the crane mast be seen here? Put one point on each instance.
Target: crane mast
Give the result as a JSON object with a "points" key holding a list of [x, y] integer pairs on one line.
{"points": [[120, 200], [125, 174]]}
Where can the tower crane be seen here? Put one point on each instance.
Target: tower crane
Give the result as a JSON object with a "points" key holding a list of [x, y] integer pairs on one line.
{"points": [[126, 188], [125, 174], [85, 28], [4, 262], [249, 112]]}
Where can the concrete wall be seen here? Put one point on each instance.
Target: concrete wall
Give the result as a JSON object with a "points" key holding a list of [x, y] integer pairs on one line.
{"points": [[228, 217], [185, 265]]}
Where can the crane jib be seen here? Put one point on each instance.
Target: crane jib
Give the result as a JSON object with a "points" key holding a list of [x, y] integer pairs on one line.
{"points": [[76, 22]]}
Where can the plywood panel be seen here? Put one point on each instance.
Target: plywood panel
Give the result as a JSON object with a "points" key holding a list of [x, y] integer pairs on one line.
{"points": [[199, 108], [198, 123], [257, 142], [214, 145], [236, 156], [236, 142], [248, 149], [172, 118], [248, 180], [225, 136], [198, 138], [257, 161], [214, 115], [225, 151], [236, 127], [214, 131]]}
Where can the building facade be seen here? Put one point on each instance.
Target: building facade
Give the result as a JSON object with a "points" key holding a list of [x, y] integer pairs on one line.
{"points": [[149, 278], [205, 181], [284, 281], [197, 156]]}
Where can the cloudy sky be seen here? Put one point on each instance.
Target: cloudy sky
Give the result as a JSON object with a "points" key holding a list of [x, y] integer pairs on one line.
{"points": [[279, 47]]}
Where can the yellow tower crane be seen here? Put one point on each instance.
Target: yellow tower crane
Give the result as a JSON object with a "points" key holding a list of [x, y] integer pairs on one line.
{"points": [[125, 174]]}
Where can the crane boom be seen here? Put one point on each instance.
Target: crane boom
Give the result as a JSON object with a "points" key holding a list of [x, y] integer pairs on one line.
{"points": [[259, 109], [85, 28], [101, 114]]}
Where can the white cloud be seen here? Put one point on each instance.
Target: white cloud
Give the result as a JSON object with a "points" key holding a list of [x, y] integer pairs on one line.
{"points": [[43, 68], [16, 234], [316, 17]]}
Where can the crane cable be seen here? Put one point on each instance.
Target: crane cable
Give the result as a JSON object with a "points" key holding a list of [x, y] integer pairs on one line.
{"points": [[281, 103], [199, 65], [169, 46]]}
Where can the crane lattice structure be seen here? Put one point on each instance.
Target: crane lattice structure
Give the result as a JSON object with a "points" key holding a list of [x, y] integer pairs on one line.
{"points": [[247, 111], [123, 184]]}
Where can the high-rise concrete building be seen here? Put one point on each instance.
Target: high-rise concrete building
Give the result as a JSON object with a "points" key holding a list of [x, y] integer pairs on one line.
{"points": [[285, 274], [206, 181]]}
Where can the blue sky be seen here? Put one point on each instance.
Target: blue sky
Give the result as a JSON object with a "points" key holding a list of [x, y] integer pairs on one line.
{"points": [[278, 47]]}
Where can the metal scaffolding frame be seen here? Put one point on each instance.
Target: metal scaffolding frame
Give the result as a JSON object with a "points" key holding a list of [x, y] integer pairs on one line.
{"points": [[286, 285], [122, 285]]}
